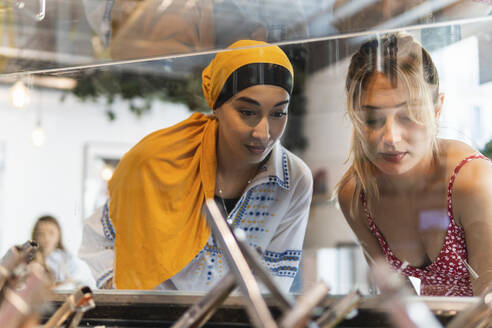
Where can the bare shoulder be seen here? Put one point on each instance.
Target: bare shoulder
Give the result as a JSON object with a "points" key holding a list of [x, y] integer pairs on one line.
{"points": [[454, 153], [473, 183], [346, 196], [474, 176]]}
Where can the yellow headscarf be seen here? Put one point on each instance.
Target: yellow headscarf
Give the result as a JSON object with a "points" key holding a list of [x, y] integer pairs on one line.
{"points": [[157, 191], [242, 53]]}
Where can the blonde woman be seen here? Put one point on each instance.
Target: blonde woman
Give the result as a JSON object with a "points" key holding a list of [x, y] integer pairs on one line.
{"points": [[421, 202]]}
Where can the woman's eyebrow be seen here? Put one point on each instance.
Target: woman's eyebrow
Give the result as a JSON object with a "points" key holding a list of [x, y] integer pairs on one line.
{"points": [[256, 103], [377, 107], [282, 103], [248, 100]]}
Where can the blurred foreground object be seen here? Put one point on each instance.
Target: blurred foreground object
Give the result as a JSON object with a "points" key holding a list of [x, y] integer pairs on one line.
{"points": [[403, 311], [73, 309], [478, 315], [15, 260], [22, 303]]}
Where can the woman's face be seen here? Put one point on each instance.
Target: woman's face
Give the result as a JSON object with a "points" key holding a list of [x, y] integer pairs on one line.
{"points": [[252, 121], [47, 236], [394, 142]]}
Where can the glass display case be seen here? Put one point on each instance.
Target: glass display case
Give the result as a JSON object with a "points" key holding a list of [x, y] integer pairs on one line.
{"points": [[82, 82]]}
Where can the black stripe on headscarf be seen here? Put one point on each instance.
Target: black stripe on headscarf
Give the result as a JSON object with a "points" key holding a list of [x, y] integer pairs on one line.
{"points": [[254, 74]]}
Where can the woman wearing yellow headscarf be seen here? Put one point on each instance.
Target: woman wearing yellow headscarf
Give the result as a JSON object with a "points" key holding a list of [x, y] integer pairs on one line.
{"points": [[151, 232]]}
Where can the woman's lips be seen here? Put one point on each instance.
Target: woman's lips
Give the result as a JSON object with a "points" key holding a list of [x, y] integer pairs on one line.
{"points": [[257, 150], [393, 157]]}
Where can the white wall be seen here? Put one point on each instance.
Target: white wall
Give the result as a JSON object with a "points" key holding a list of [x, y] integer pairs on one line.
{"points": [[327, 251], [48, 179], [467, 110], [329, 132]]}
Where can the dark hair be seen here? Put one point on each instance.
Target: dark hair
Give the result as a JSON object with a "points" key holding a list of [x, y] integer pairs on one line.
{"points": [[49, 219]]}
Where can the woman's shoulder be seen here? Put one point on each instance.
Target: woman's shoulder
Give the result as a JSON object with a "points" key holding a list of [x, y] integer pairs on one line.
{"points": [[455, 151], [298, 169], [345, 194], [470, 180], [469, 175]]}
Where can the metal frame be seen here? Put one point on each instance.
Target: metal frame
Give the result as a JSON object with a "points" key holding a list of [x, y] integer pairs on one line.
{"points": [[243, 260], [76, 305]]}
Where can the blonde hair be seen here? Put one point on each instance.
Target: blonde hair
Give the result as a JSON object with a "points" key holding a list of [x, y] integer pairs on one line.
{"points": [[403, 60]]}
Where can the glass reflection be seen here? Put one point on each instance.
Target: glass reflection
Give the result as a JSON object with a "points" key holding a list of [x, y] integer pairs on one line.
{"points": [[107, 110], [51, 35]]}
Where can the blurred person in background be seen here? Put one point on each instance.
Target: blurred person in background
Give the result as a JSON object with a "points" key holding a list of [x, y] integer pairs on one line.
{"points": [[65, 270]]}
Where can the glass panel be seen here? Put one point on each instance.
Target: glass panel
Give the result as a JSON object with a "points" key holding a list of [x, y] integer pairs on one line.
{"points": [[40, 35], [79, 90]]}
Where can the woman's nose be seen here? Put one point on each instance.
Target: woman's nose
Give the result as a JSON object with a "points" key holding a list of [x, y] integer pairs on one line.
{"points": [[392, 133], [262, 130]]}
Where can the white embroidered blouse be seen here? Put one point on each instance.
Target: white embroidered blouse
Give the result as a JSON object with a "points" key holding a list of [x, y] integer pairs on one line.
{"points": [[273, 212]]}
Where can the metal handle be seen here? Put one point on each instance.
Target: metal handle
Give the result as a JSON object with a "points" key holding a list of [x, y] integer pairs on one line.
{"points": [[199, 313], [255, 304], [335, 314], [299, 315], [79, 302], [394, 295]]}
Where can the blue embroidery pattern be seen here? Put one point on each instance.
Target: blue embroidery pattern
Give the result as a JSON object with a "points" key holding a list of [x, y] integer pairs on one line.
{"points": [[106, 223], [285, 271], [285, 169], [103, 278], [289, 255], [242, 208], [212, 249], [255, 214], [278, 262], [211, 264]]}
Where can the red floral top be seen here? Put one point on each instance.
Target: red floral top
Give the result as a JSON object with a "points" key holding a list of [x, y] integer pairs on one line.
{"points": [[448, 275]]}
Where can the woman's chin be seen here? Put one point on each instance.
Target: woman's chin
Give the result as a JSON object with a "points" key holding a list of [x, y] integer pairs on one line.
{"points": [[394, 169]]}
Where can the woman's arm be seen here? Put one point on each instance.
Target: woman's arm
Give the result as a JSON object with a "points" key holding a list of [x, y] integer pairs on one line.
{"points": [[97, 247], [472, 208], [359, 223]]}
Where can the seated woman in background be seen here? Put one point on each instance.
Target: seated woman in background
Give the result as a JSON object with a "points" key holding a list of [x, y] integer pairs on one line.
{"points": [[422, 202], [65, 270], [151, 232]]}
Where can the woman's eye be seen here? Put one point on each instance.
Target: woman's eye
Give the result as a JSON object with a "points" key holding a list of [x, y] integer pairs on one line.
{"points": [[405, 118], [374, 122], [246, 112], [279, 114]]}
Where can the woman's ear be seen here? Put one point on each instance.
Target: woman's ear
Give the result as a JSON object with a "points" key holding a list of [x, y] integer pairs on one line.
{"points": [[438, 107], [214, 113]]}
